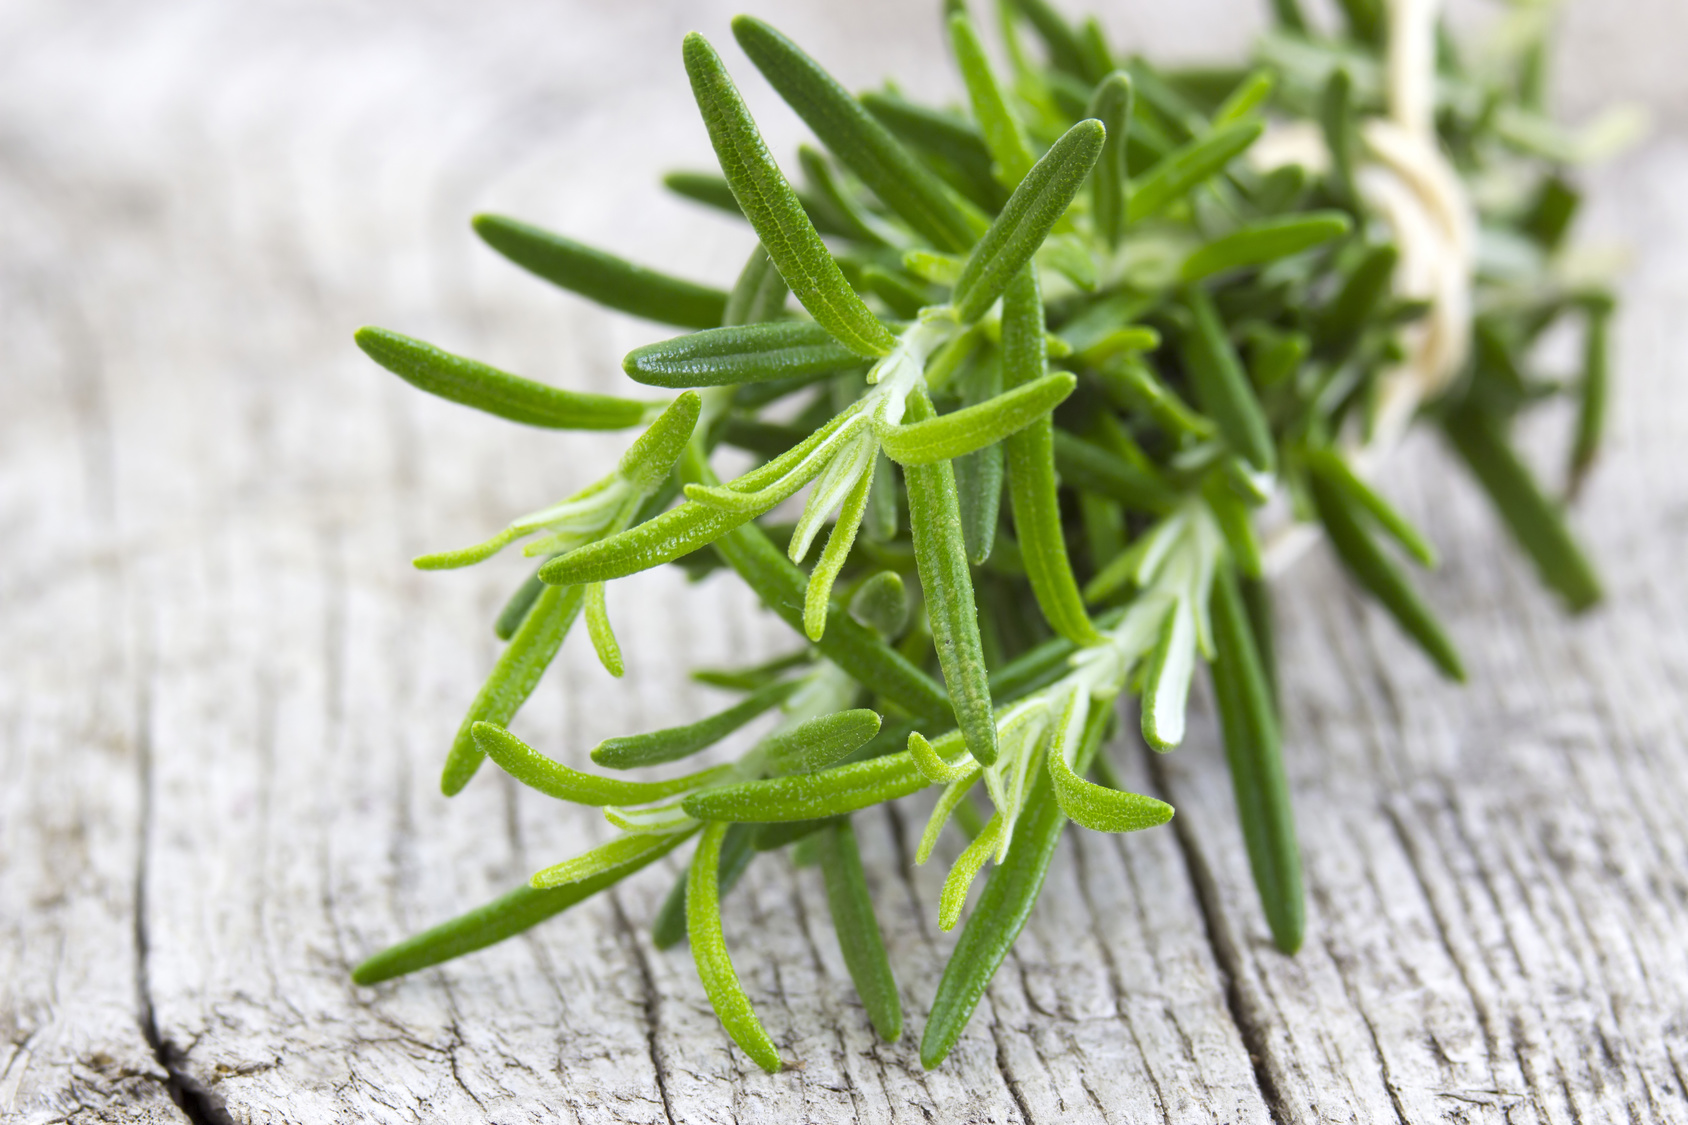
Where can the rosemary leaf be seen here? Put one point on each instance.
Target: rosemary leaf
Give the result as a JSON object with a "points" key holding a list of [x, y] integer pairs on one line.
{"points": [[554, 779], [808, 796], [1378, 574], [601, 277], [503, 917], [1110, 186], [1010, 151], [1027, 218], [859, 939], [1183, 169], [962, 431], [1265, 241], [512, 679], [774, 211], [709, 951], [1031, 470], [941, 556], [470, 383], [852, 134], [1254, 753]]}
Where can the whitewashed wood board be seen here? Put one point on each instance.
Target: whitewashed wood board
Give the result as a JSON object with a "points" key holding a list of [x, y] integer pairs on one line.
{"points": [[224, 696]]}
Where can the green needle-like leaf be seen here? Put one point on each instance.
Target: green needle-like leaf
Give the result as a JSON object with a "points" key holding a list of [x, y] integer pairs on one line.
{"points": [[881, 603], [1166, 679], [599, 629], [1083, 464], [749, 353], [601, 277], [1109, 184], [1222, 388], [1592, 391], [973, 427], [1336, 473], [997, 920], [1065, 49], [1031, 471], [673, 743], [858, 930], [515, 610], [1249, 95], [1338, 328], [668, 928], [819, 742], [1536, 522], [1026, 220], [1004, 136], [624, 853], [1255, 756], [817, 598], [852, 134], [466, 381], [1379, 575], [709, 950], [940, 553], [554, 779], [503, 917], [513, 679], [774, 211], [966, 868], [1266, 241], [1094, 806], [808, 796], [684, 529], [1181, 170]]}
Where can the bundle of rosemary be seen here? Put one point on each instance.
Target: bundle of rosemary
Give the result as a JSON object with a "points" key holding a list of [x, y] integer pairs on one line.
{"points": [[1174, 314]]}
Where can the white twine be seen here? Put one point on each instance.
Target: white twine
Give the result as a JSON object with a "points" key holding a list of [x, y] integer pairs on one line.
{"points": [[1413, 188]]}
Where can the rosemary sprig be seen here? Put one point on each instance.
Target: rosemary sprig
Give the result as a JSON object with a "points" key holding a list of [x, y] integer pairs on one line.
{"points": [[1227, 316]]}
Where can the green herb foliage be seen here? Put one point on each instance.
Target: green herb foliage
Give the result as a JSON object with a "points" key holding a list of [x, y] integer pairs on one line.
{"points": [[1050, 357]]}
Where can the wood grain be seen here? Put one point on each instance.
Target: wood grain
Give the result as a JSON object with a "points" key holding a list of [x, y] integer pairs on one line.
{"points": [[224, 697]]}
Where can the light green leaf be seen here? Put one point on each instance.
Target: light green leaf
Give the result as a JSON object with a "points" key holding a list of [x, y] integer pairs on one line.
{"points": [[973, 427], [1030, 214]]}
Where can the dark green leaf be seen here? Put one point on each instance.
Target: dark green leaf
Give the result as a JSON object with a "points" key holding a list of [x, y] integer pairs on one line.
{"points": [[673, 743], [1031, 470], [1535, 521], [1221, 386], [774, 210], [852, 134], [601, 277], [1109, 185], [818, 742], [858, 930], [747, 353], [1255, 756], [503, 917], [1378, 574]]}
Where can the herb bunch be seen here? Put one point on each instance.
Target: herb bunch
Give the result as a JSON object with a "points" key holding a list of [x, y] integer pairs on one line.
{"points": [[1064, 368]]}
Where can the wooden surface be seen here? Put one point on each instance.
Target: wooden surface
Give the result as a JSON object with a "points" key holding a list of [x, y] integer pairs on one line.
{"points": [[224, 696]]}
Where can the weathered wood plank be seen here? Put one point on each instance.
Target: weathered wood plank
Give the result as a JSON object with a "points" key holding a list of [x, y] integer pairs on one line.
{"points": [[218, 673], [73, 1036]]}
